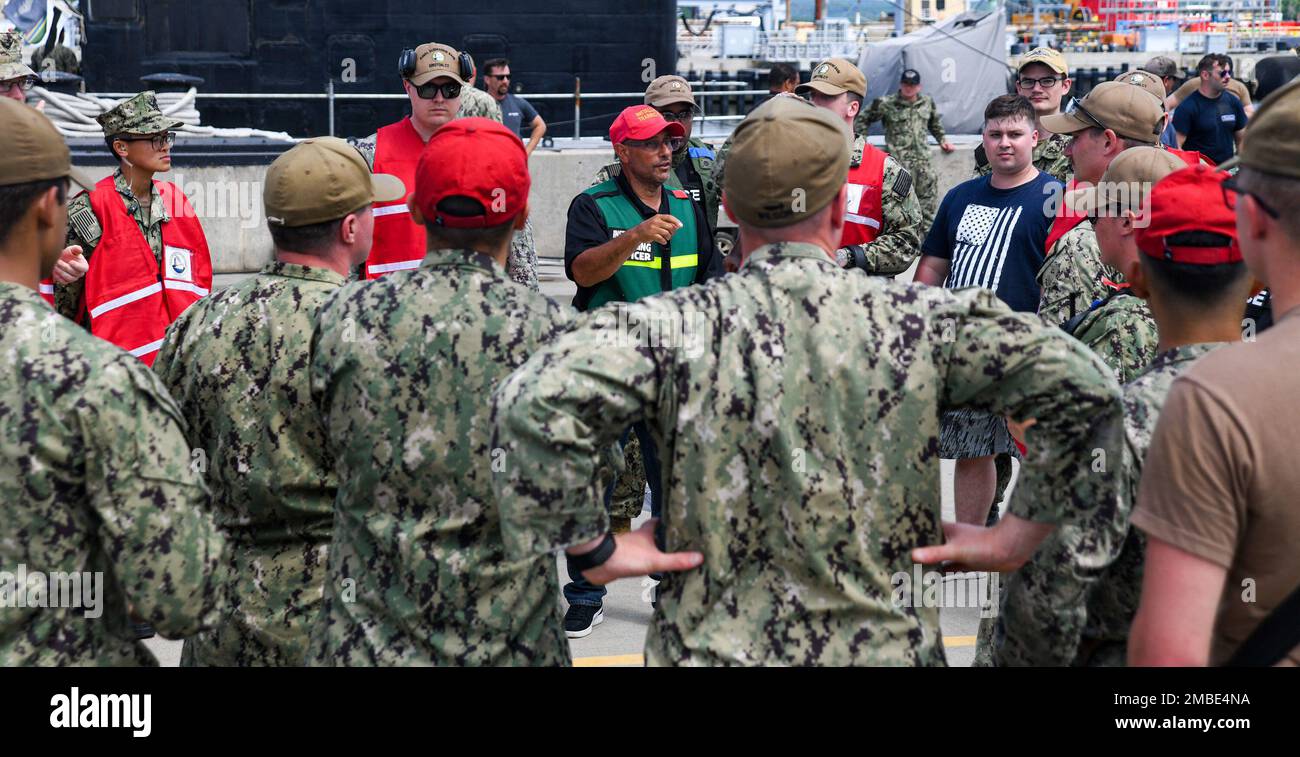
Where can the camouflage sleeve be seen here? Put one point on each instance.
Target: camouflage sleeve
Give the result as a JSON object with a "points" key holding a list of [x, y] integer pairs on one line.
{"points": [[605, 174], [521, 264], [719, 163], [900, 235], [167, 552], [556, 415], [367, 148], [935, 125], [1070, 279], [1123, 336], [1011, 364], [83, 229]]}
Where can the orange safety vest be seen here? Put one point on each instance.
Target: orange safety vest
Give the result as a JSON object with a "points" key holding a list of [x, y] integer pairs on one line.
{"points": [[864, 210], [130, 298], [398, 242]]}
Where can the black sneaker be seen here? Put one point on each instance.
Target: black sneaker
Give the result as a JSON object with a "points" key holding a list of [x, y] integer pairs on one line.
{"points": [[580, 619]]}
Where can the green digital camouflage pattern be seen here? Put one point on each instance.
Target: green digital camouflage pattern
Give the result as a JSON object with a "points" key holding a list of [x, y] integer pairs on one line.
{"points": [[906, 125], [95, 476], [1074, 602], [136, 115], [11, 56], [628, 499], [85, 229], [799, 447], [1070, 279], [521, 264], [402, 371], [1122, 332], [1049, 157], [475, 103], [237, 363], [704, 167]]}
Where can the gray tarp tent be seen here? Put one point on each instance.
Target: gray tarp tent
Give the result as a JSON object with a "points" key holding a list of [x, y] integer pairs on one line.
{"points": [[962, 63]]}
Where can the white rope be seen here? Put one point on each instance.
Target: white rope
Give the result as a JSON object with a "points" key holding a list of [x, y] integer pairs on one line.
{"points": [[74, 115]]}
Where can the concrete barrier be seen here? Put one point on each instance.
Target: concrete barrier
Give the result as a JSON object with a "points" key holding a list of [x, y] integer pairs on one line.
{"points": [[228, 200]]}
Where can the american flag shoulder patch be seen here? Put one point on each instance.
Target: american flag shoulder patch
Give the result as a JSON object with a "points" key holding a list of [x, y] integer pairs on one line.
{"points": [[902, 183]]}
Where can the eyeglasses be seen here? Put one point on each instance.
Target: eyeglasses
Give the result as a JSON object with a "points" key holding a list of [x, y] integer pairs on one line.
{"points": [[679, 117], [1225, 74], [429, 90], [1047, 82], [157, 141], [496, 76], [1230, 191], [1077, 108], [655, 145], [25, 83]]}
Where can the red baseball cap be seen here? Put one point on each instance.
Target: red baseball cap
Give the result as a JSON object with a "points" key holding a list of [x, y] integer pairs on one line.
{"points": [[642, 122], [1191, 199], [478, 159]]}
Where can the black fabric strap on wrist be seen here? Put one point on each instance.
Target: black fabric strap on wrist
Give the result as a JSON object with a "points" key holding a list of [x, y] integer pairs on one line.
{"points": [[593, 559]]}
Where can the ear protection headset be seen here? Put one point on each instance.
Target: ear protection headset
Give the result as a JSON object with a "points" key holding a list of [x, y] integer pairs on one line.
{"points": [[406, 65]]}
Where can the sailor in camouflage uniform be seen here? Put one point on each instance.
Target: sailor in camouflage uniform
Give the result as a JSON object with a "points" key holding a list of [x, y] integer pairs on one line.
{"points": [[1112, 119], [402, 372], [799, 442], [907, 116], [237, 362], [1037, 67], [16, 77], [1074, 602], [432, 61], [95, 473]]}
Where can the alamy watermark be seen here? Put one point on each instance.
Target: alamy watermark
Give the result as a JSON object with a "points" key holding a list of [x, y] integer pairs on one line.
{"points": [[81, 590]]}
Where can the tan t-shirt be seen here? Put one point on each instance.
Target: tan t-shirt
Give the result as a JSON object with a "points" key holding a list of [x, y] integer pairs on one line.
{"points": [[1222, 481], [1234, 86]]}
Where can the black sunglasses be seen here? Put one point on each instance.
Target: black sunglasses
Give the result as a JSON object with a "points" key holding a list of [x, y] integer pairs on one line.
{"points": [[496, 76], [1230, 191], [429, 90]]}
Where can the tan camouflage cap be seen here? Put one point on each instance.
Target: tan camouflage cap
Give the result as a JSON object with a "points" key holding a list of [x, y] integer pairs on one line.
{"points": [[1129, 111], [788, 160], [34, 151], [1127, 183], [1146, 80], [1053, 59], [434, 60], [138, 115], [668, 90], [11, 57], [834, 77]]}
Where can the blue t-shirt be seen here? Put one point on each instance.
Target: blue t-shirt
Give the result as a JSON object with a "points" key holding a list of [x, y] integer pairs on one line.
{"points": [[995, 238], [1209, 125], [516, 112]]}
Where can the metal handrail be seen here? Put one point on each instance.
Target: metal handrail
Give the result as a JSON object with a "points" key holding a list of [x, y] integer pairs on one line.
{"points": [[577, 96]]}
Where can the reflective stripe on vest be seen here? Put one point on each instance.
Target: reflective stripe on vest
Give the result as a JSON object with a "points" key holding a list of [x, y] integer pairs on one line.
{"points": [[864, 201], [47, 291], [130, 296], [399, 244], [643, 274]]}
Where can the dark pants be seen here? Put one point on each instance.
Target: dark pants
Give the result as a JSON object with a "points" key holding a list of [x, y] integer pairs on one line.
{"points": [[579, 591]]}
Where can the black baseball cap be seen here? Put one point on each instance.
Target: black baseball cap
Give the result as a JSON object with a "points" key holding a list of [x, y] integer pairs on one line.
{"points": [[911, 76]]}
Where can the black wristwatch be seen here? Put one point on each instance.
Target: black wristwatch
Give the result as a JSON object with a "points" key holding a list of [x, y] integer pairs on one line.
{"points": [[579, 564]]}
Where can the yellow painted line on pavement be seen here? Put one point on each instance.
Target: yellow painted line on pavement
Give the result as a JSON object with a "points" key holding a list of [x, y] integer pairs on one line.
{"points": [[611, 661], [628, 660]]}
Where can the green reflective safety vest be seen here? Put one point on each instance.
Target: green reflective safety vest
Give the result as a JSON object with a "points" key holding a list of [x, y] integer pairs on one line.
{"points": [[652, 268]]}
